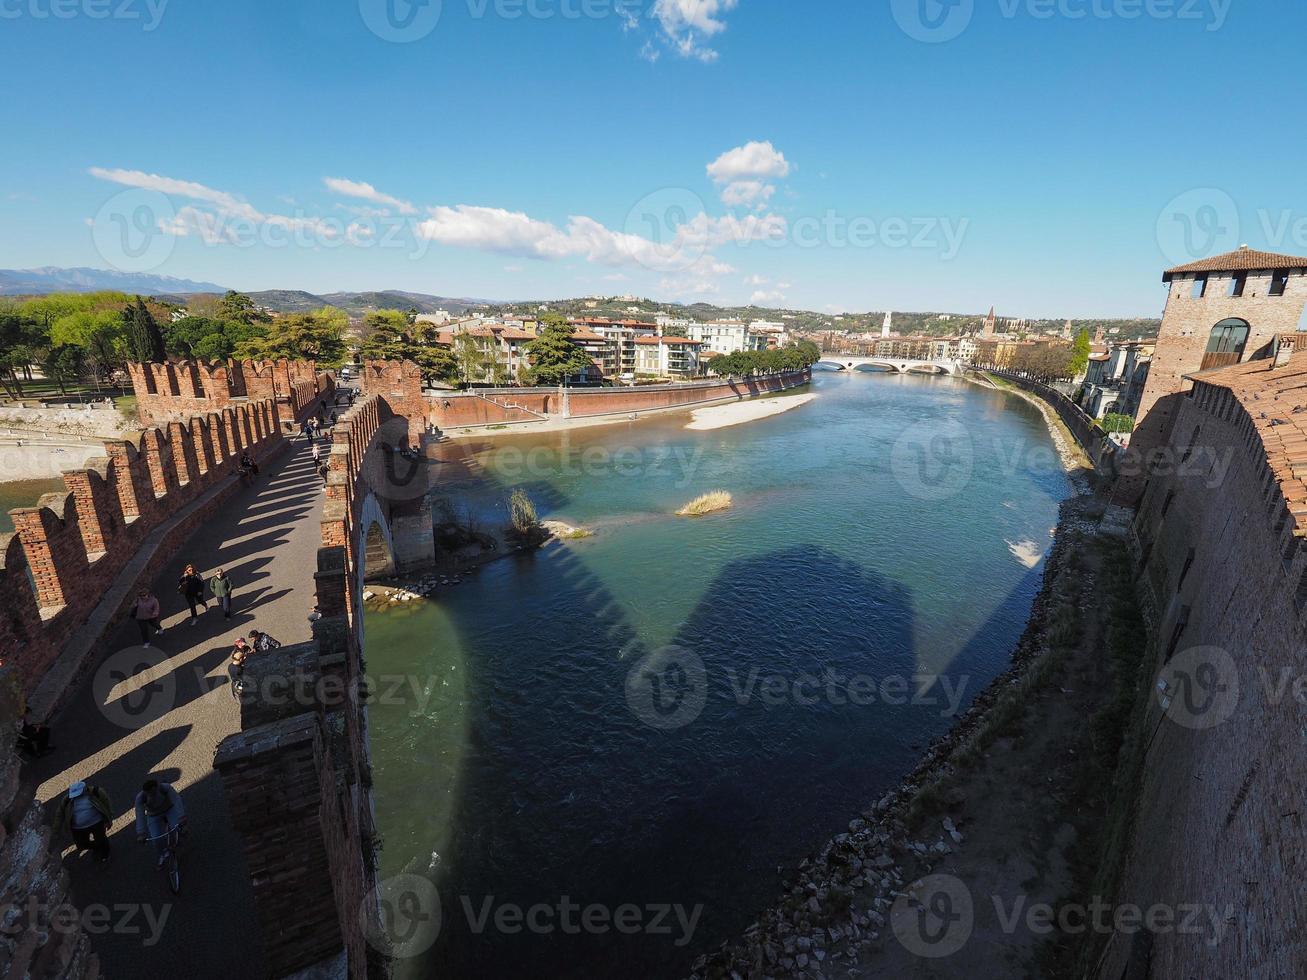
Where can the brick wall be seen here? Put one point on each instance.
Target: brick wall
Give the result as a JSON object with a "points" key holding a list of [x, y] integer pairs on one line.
{"points": [[66, 550], [177, 390], [297, 779], [1223, 568], [42, 934]]}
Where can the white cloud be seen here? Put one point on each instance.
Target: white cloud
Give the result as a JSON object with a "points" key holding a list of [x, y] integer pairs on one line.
{"points": [[366, 192], [686, 24], [230, 219], [515, 233], [765, 297], [752, 160], [747, 193], [746, 172], [756, 280]]}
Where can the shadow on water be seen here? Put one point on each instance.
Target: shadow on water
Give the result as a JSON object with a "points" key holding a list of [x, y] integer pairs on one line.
{"points": [[568, 789]]}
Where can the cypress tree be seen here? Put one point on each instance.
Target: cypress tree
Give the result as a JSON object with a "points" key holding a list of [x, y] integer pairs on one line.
{"points": [[144, 338]]}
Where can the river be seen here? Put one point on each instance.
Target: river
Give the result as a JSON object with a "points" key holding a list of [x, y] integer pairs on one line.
{"points": [[672, 711]]}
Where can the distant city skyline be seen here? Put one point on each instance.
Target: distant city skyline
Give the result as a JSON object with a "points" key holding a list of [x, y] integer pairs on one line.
{"points": [[862, 157]]}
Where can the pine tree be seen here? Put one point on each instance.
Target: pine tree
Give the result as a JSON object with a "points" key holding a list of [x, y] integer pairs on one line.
{"points": [[144, 338]]}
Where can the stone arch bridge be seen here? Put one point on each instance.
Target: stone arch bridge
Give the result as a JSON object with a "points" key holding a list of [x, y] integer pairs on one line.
{"points": [[899, 365]]}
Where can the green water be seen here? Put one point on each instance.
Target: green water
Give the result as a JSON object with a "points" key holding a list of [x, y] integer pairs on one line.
{"points": [[22, 493], [670, 711]]}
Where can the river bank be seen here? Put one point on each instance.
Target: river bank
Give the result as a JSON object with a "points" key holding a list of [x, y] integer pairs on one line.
{"points": [[737, 413], [1005, 811]]}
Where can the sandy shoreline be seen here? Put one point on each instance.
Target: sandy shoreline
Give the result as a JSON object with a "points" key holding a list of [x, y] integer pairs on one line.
{"points": [[737, 413]]}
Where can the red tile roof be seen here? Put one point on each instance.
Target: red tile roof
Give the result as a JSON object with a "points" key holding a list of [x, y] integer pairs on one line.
{"points": [[1240, 260], [1276, 400]]}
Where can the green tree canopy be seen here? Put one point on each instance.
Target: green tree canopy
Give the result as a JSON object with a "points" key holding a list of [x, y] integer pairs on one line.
{"points": [[554, 356], [394, 336], [144, 339], [317, 336], [1080, 355]]}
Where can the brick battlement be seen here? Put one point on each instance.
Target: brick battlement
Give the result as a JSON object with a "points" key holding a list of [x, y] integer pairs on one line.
{"points": [[178, 389], [1219, 542], [66, 551]]}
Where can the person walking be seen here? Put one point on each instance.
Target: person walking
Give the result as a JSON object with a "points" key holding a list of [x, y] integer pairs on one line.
{"points": [[317, 455], [86, 815], [145, 610], [191, 586], [221, 587]]}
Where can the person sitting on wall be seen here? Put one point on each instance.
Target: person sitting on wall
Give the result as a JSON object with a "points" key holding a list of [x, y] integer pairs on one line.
{"points": [[262, 642], [248, 466], [236, 668], [33, 737]]}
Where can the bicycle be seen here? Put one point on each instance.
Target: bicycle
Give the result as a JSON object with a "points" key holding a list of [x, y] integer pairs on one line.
{"points": [[170, 861]]}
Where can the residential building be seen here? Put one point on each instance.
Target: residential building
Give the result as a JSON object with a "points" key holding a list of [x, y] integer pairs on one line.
{"points": [[666, 357]]}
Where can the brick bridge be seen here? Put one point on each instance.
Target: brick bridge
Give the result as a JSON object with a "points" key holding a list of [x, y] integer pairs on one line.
{"points": [[280, 875], [280, 871]]}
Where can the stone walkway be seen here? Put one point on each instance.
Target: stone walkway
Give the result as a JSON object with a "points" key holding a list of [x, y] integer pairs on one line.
{"points": [[162, 711]]}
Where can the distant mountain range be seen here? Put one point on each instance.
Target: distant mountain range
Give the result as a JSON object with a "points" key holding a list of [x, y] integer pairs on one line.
{"points": [[51, 279]]}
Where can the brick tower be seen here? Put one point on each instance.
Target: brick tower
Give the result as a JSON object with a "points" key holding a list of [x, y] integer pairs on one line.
{"points": [[1221, 310]]}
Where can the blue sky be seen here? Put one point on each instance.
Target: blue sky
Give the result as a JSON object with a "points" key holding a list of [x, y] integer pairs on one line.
{"points": [[1049, 157]]}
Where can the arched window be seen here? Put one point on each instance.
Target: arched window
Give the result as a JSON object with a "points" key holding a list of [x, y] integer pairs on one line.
{"points": [[1226, 344]]}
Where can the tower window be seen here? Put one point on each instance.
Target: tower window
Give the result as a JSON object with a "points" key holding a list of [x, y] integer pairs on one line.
{"points": [[1200, 287], [1238, 283], [1279, 282], [1226, 344]]}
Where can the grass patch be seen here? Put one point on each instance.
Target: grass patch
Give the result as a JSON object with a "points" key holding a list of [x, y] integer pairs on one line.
{"points": [[708, 503]]}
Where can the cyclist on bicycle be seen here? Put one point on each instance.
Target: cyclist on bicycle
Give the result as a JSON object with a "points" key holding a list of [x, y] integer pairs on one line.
{"points": [[159, 810]]}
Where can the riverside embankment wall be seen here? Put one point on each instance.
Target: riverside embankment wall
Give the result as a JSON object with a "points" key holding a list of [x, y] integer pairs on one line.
{"points": [[1090, 436], [1218, 539], [505, 406]]}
